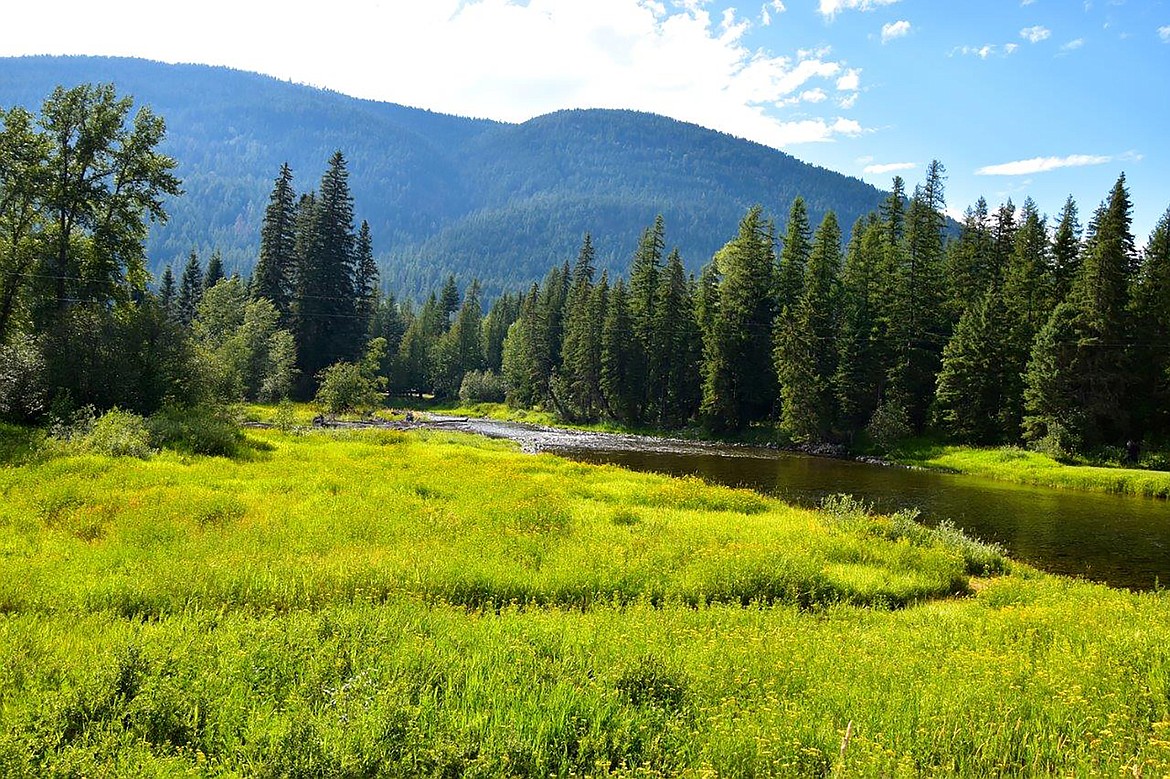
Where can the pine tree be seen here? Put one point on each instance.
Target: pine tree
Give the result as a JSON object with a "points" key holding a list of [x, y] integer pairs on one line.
{"points": [[645, 273], [739, 384], [970, 265], [917, 324], [794, 256], [190, 289], [500, 317], [326, 315], [365, 280], [618, 351], [449, 301], [1151, 337], [577, 383], [1079, 373], [978, 382], [860, 373], [1066, 251], [676, 345], [275, 270], [806, 342], [167, 293], [214, 272]]}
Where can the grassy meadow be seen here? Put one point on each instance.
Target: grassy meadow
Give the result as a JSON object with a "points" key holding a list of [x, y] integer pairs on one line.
{"points": [[379, 603], [1009, 463]]}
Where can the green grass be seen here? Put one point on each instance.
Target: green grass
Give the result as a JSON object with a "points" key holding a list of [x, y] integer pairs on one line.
{"points": [[389, 604], [1025, 467]]}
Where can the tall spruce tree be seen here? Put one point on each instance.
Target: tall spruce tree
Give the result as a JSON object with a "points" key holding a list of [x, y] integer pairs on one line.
{"points": [[618, 352], [365, 280], [1066, 250], [214, 272], [167, 293], [1079, 372], [190, 289], [578, 380], [503, 312], [1151, 337], [860, 374], [739, 385], [276, 268], [806, 351], [676, 345], [326, 322], [970, 265], [645, 272], [794, 255]]}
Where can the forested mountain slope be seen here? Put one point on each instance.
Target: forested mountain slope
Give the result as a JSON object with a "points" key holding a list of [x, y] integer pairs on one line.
{"points": [[443, 193]]}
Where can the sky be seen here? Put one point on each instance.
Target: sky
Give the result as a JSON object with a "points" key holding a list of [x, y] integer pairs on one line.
{"points": [[1017, 98]]}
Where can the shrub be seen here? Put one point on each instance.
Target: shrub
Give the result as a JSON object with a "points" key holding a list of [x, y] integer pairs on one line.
{"points": [[23, 390], [889, 424], [119, 433], [482, 387], [196, 430]]}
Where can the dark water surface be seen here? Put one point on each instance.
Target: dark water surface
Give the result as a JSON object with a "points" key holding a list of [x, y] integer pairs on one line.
{"points": [[1120, 540]]}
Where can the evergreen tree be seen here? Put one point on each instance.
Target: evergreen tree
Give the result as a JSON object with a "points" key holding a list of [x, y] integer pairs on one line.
{"points": [[739, 379], [578, 383], [794, 256], [645, 273], [707, 300], [214, 272], [1079, 373], [365, 280], [806, 343], [167, 293], [618, 352], [412, 368], [326, 314], [524, 353], [917, 324], [1151, 344], [970, 265], [1066, 250], [449, 301], [676, 345], [500, 317], [460, 350], [275, 270], [190, 289], [1003, 237], [389, 325], [860, 375], [978, 383]]}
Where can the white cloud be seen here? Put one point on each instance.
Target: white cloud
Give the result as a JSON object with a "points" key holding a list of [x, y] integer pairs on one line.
{"points": [[814, 95], [889, 167], [1024, 3], [504, 59], [1042, 165], [982, 52], [1164, 33], [1035, 34], [894, 30], [850, 81], [818, 130], [831, 8], [1010, 48], [1073, 45], [849, 100]]}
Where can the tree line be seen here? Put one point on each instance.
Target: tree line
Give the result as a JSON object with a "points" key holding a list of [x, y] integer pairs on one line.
{"points": [[1013, 330]]}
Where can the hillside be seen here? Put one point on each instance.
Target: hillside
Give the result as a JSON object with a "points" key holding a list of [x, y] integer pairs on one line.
{"points": [[443, 193]]}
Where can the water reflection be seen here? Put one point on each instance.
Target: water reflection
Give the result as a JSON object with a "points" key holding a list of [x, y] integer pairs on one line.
{"points": [[1122, 541]]}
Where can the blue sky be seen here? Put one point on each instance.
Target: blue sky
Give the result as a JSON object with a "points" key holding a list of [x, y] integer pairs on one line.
{"points": [[1016, 97]]}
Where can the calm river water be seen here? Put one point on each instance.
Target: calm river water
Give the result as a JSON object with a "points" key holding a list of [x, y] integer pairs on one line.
{"points": [[1122, 541]]}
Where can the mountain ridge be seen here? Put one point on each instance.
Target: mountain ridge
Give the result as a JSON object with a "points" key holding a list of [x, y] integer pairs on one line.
{"points": [[476, 197]]}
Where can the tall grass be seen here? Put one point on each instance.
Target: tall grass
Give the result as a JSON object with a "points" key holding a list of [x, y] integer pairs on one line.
{"points": [[387, 604], [1033, 468]]}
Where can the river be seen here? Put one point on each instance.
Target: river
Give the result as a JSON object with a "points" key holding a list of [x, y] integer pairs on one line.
{"points": [[1119, 540]]}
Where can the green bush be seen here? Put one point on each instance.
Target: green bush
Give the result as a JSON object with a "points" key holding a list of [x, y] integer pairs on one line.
{"points": [[482, 387], [119, 433], [196, 430]]}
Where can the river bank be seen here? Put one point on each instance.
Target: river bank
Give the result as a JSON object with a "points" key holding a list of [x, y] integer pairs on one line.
{"points": [[1009, 464]]}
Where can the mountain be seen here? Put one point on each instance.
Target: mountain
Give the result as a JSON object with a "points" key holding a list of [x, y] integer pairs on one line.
{"points": [[497, 201]]}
